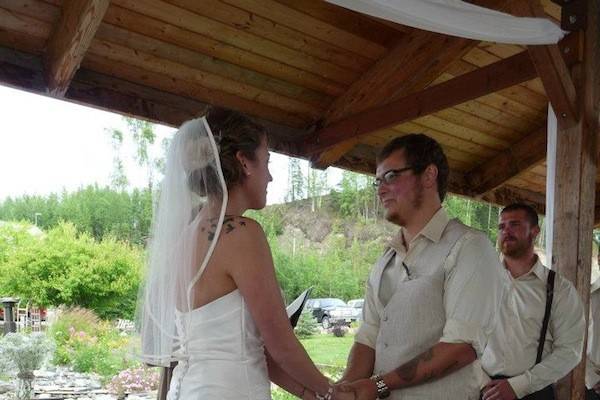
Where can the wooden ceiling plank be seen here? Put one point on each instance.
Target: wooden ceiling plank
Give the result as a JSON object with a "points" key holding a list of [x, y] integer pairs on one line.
{"points": [[494, 115], [468, 147], [252, 22], [313, 27], [476, 123], [16, 22], [371, 28], [174, 70], [201, 62], [162, 81], [552, 69], [530, 101], [222, 51], [35, 9], [497, 76], [451, 148], [238, 38], [168, 32], [470, 135], [70, 40], [511, 162], [22, 42]]}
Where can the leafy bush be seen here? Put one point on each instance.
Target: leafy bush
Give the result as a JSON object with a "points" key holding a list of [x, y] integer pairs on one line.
{"points": [[24, 352], [132, 380], [66, 268], [307, 326], [88, 344]]}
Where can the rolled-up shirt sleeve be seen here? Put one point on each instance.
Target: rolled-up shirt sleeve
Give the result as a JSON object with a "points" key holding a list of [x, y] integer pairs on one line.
{"points": [[369, 329], [473, 291]]}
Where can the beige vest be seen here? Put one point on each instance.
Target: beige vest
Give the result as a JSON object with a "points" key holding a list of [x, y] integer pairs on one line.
{"points": [[414, 319]]}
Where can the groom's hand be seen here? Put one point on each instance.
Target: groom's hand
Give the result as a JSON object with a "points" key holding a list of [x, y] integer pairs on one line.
{"points": [[364, 389]]}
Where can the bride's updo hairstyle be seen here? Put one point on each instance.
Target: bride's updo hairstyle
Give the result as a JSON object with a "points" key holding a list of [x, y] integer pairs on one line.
{"points": [[233, 132]]}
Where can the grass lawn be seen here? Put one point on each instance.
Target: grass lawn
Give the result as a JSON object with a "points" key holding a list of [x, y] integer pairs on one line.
{"points": [[328, 352]]}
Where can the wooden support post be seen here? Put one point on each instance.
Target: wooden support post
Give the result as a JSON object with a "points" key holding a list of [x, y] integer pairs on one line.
{"points": [[573, 188]]}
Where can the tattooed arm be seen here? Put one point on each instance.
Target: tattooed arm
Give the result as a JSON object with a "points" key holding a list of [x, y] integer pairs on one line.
{"points": [[437, 362]]}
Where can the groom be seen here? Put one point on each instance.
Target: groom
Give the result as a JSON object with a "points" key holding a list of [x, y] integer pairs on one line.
{"points": [[431, 297]]}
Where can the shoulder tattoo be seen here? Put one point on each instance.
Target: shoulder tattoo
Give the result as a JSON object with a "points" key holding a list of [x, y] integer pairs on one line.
{"points": [[229, 225]]}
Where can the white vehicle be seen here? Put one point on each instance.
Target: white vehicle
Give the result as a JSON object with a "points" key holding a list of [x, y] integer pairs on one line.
{"points": [[357, 307]]}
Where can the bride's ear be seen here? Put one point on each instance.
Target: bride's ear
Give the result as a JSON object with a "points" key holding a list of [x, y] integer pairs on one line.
{"points": [[243, 160]]}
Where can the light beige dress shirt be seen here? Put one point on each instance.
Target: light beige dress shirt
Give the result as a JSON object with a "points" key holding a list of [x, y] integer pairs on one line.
{"points": [[592, 369], [512, 348], [440, 289]]}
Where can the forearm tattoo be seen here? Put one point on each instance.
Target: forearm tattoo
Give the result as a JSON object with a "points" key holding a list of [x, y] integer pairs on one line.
{"points": [[229, 224], [408, 371]]}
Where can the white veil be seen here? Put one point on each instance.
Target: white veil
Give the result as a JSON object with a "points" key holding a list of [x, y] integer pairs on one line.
{"points": [[193, 194]]}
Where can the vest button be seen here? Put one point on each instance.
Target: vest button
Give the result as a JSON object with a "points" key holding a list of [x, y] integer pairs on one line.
{"points": [[385, 318]]}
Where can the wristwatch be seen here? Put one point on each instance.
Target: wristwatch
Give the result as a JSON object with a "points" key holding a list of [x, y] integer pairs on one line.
{"points": [[383, 391]]}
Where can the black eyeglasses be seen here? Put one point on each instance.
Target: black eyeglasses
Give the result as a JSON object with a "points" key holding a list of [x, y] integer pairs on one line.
{"points": [[390, 176]]}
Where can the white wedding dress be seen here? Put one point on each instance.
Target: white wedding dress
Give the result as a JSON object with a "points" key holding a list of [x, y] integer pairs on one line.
{"points": [[224, 358]]}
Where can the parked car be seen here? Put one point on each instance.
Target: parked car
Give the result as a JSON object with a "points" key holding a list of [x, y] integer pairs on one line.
{"points": [[329, 311], [357, 305]]}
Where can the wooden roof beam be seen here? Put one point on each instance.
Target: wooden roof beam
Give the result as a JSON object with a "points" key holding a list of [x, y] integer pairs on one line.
{"points": [[70, 40], [519, 157], [415, 61], [502, 74], [552, 68]]}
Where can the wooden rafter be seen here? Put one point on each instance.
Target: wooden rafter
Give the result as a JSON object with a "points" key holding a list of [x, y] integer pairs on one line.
{"points": [[70, 40], [552, 69], [494, 77], [415, 61], [519, 157]]}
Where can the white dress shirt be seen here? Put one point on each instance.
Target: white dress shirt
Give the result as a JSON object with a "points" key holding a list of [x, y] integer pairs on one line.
{"points": [[592, 369], [512, 348], [470, 289]]}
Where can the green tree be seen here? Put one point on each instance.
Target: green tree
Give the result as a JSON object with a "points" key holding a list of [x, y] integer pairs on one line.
{"points": [[64, 267], [296, 180]]}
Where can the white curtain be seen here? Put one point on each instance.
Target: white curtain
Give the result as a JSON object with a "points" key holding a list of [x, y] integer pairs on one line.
{"points": [[457, 18]]}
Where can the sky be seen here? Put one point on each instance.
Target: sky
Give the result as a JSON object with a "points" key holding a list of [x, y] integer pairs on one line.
{"points": [[49, 145]]}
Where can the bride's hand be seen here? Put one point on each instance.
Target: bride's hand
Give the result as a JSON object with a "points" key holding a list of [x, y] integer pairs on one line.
{"points": [[340, 394]]}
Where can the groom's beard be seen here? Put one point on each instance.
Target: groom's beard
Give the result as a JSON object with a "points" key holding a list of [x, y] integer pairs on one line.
{"points": [[401, 218]]}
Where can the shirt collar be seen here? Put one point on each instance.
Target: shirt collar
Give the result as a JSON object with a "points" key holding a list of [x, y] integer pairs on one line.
{"points": [[538, 269], [432, 231]]}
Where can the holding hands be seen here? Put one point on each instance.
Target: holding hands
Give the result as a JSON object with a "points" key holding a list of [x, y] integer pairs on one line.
{"points": [[361, 389]]}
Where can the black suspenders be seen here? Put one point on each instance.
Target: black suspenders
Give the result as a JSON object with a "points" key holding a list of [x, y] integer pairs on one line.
{"points": [[549, 296]]}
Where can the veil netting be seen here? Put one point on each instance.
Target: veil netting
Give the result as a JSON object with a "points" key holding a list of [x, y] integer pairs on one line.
{"points": [[193, 194]]}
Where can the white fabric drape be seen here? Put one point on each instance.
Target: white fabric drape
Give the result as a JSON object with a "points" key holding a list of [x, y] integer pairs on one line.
{"points": [[457, 18]]}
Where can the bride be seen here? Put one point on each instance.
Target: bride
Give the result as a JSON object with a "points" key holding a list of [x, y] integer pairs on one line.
{"points": [[211, 300]]}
